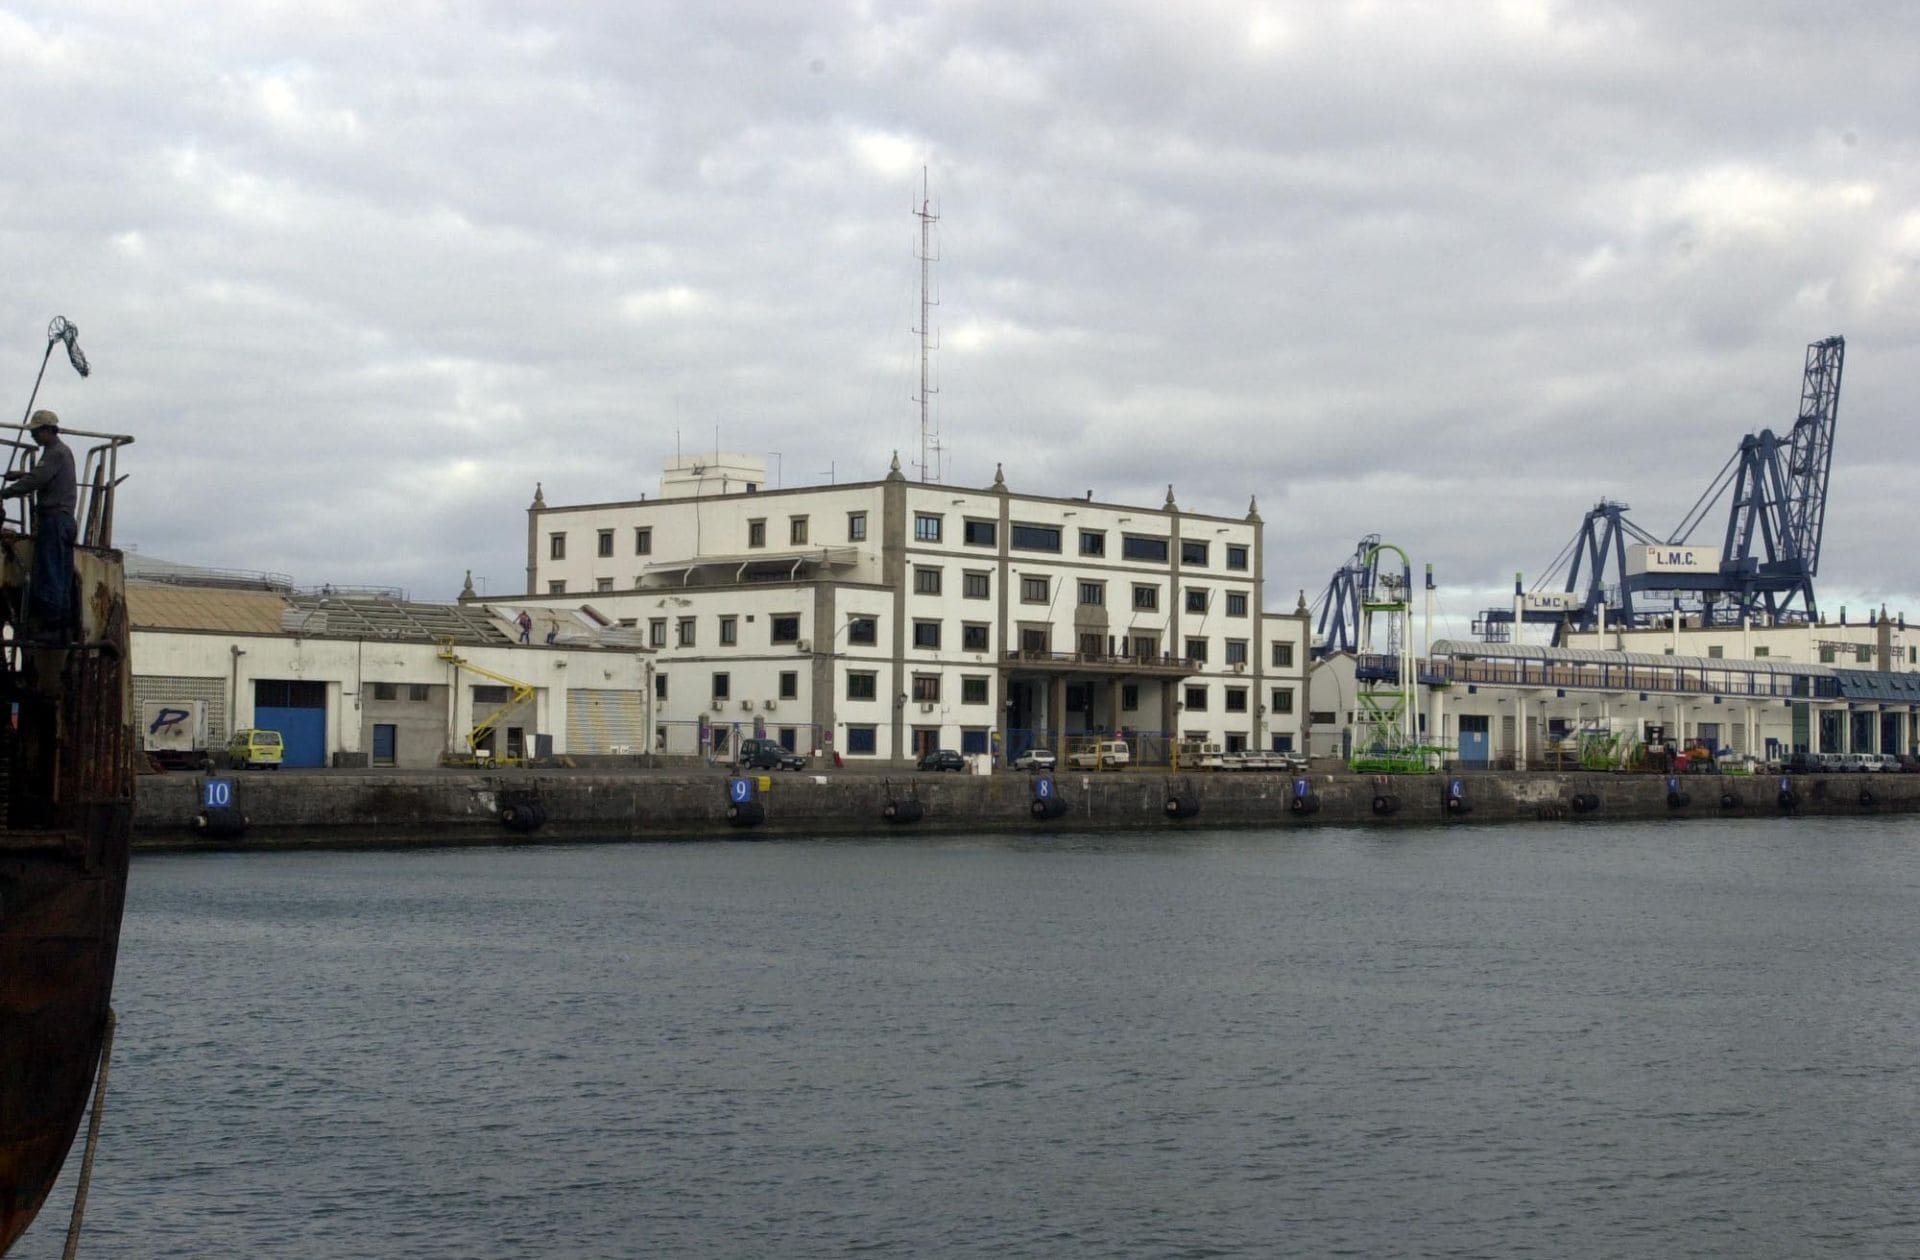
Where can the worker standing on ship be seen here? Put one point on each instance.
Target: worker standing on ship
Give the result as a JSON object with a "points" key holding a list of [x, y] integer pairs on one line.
{"points": [[51, 482]]}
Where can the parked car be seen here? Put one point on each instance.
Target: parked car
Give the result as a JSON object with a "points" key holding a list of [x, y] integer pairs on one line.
{"points": [[1860, 763], [765, 754], [1105, 754], [1889, 763], [944, 759], [1035, 759], [1909, 764], [252, 748]]}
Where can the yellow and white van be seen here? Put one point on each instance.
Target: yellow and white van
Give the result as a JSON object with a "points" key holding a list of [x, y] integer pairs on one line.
{"points": [[251, 747]]}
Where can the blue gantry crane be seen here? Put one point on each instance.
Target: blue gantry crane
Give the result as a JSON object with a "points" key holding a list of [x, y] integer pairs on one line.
{"points": [[1765, 565]]}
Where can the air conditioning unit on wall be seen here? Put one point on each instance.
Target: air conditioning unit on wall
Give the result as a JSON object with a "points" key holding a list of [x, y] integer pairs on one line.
{"points": [[804, 645], [772, 705], [719, 705], [926, 706], [746, 704], [1239, 667]]}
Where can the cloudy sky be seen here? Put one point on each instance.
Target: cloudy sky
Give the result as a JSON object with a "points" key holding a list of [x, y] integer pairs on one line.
{"points": [[359, 275]]}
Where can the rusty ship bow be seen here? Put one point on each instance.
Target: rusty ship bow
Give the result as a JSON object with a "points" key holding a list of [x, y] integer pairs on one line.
{"points": [[66, 798]]}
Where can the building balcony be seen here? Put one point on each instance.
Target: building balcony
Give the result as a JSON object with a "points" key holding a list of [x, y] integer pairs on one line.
{"points": [[1164, 665]]}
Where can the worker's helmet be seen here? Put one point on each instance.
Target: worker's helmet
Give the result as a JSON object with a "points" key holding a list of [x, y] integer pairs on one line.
{"points": [[43, 419]]}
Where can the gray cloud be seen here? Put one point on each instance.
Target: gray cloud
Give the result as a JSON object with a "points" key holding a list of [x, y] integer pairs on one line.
{"points": [[1449, 273]]}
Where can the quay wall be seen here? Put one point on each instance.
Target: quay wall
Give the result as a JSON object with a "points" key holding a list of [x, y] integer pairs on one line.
{"points": [[440, 807]]}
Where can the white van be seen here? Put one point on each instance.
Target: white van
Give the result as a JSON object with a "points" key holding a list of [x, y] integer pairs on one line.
{"points": [[1106, 754]]}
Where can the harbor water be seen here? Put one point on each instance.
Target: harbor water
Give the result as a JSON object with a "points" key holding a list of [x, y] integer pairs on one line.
{"points": [[1545, 1040]]}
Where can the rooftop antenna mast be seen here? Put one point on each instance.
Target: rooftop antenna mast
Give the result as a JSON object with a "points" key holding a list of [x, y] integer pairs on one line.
{"points": [[930, 449]]}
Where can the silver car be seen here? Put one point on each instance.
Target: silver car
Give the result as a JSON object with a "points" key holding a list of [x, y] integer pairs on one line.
{"points": [[1035, 759]]}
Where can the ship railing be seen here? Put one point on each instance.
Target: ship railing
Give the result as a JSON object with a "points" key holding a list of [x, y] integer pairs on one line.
{"points": [[96, 478]]}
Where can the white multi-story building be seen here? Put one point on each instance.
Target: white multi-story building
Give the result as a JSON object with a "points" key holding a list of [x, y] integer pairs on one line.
{"points": [[886, 618]]}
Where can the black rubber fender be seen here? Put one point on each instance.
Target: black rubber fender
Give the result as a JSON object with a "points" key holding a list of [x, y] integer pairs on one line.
{"points": [[1868, 800], [1308, 804], [1729, 801], [1679, 800], [1789, 799], [746, 814], [1385, 804], [1458, 805], [1178, 806], [907, 811], [1585, 802], [1048, 808], [220, 822]]}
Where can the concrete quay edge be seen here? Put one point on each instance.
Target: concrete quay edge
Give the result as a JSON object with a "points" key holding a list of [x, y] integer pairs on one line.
{"points": [[359, 809]]}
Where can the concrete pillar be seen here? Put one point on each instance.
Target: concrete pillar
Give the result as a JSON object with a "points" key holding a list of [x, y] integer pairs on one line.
{"points": [[1057, 715]]}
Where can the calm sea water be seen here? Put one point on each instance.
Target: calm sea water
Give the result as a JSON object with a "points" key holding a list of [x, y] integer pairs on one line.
{"points": [[1656, 1040]]}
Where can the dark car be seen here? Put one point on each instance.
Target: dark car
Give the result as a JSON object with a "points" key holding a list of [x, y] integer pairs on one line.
{"points": [[765, 754], [943, 759]]}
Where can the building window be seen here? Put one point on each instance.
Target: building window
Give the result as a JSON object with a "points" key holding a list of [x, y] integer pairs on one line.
{"points": [[1237, 558], [1197, 599], [856, 527], [684, 633], [1093, 592], [603, 584], [1236, 603], [417, 691], [1283, 656], [1826, 655], [385, 691], [1034, 537], [643, 541], [1146, 598], [1236, 701], [926, 634], [605, 542], [1196, 699], [1236, 651], [980, 533], [926, 688], [722, 687], [1093, 542], [789, 684], [1715, 651], [729, 631], [1193, 553], [976, 585], [797, 530], [1863, 655], [1129, 697], [1033, 590], [1134, 547], [973, 636], [926, 528], [861, 741], [1767, 651], [659, 686], [863, 686], [1146, 646], [657, 632], [863, 631], [557, 587], [757, 533], [1197, 650], [556, 546], [1282, 698], [926, 581], [785, 627], [1090, 646], [973, 691], [1035, 639]]}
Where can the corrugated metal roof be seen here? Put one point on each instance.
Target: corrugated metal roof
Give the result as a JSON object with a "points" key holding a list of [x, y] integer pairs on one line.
{"points": [[153, 606]]}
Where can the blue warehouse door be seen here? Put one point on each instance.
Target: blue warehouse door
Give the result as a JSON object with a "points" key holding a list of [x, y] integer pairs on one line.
{"points": [[298, 710], [1473, 739]]}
